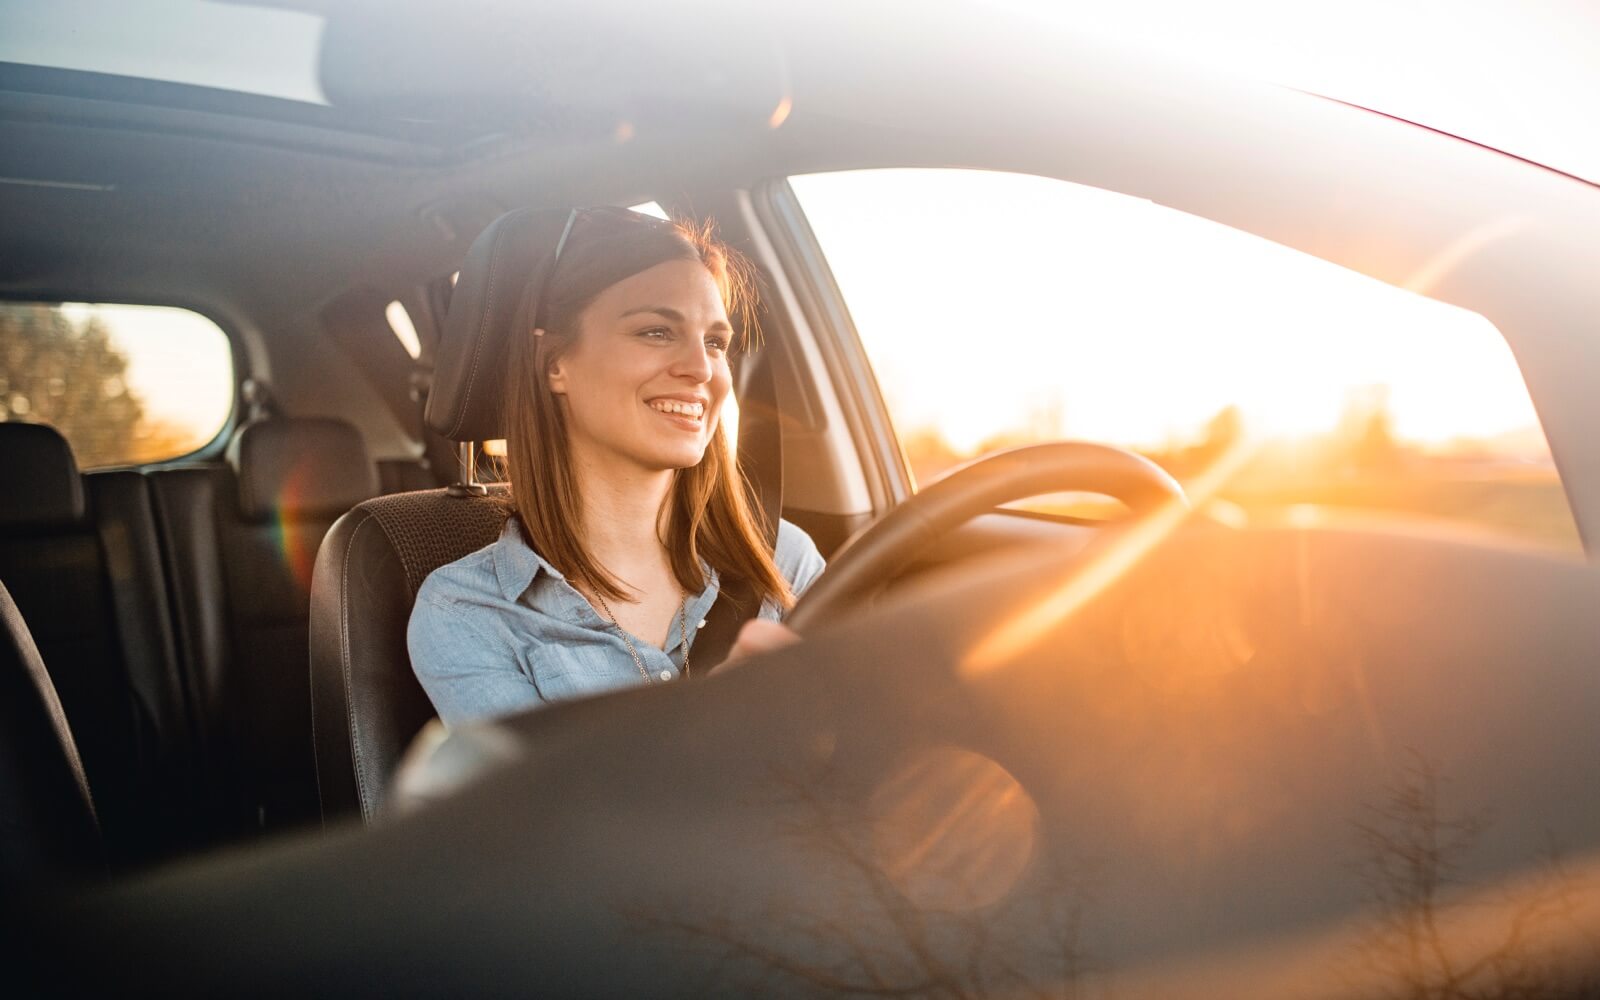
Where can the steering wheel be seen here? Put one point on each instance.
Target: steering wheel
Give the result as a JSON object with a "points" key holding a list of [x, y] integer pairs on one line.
{"points": [[878, 553]]}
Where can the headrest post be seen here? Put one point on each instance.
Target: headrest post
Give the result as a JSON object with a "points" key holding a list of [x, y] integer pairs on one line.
{"points": [[467, 484]]}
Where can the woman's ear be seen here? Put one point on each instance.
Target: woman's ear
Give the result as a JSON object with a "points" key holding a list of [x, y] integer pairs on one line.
{"points": [[554, 376]]}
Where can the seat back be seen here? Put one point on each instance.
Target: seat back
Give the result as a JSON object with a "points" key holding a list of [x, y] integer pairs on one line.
{"points": [[81, 558], [366, 703], [243, 540], [47, 821]]}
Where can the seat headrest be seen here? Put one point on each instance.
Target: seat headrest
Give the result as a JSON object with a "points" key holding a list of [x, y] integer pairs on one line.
{"points": [[300, 467], [514, 252], [42, 482]]}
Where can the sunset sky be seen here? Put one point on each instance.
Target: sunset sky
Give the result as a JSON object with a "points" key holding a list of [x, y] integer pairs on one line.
{"points": [[985, 299]]}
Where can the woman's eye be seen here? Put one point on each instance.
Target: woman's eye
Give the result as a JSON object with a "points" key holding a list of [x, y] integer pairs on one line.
{"points": [[718, 345], [656, 333]]}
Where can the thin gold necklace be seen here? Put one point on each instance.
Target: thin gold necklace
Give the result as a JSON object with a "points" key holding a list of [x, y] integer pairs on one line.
{"points": [[683, 638]]}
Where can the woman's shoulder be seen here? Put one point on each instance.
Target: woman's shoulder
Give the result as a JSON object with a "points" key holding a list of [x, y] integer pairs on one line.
{"points": [[457, 601], [466, 580], [792, 538], [796, 556]]}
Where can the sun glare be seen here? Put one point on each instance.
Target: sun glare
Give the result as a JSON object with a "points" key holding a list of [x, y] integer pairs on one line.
{"points": [[1087, 314], [1000, 310], [1514, 76]]}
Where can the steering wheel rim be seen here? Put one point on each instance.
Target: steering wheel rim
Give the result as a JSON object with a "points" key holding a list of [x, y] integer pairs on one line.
{"points": [[881, 550]]}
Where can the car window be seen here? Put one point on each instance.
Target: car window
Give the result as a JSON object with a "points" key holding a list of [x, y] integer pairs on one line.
{"points": [[248, 50], [1000, 309], [125, 384], [404, 330]]}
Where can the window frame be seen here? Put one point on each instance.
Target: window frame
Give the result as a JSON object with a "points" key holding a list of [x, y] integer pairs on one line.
{"points": [[868, 422]]}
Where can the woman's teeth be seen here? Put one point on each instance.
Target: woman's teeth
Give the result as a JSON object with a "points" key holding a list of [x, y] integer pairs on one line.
{"points": [[694, 410]]}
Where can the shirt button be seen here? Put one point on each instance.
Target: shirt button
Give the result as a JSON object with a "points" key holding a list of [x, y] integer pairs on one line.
{"points": [[666, 675], [700, 624]]}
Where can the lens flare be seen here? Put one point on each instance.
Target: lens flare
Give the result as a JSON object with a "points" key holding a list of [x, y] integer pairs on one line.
{"points": [[296, 541], [780, 114], [953, 830]]}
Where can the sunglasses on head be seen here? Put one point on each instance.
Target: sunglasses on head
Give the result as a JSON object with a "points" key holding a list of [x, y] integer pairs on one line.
{"points": [[561, 245]]}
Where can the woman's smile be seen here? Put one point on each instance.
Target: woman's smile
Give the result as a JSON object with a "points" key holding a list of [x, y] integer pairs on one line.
{"points": [[681, 412], [682, 416]]}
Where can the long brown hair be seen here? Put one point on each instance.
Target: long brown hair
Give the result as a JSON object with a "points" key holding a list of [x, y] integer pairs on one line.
{"points": [[709, 513]]}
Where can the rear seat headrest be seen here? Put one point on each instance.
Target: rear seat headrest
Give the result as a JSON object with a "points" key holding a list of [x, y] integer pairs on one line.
{"points": [[42, 482], [301, 467]]}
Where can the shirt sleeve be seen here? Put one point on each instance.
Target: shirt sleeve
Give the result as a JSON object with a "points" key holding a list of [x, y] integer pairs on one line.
{"points": [[468, 673], [797, 560]]}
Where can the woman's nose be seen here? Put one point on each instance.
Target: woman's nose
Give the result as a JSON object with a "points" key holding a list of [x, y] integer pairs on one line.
{"points": [[694, 361]]}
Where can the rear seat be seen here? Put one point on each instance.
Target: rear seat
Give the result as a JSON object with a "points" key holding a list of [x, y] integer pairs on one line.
{"points": [[242, 540], [81, 557], [172, 609]]}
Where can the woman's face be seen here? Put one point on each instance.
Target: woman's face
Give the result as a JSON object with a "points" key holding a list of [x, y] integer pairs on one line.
{"points": [[645, 378]]}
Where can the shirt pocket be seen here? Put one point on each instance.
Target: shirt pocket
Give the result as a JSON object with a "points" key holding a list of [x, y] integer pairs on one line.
{"points": [[562, 671]]}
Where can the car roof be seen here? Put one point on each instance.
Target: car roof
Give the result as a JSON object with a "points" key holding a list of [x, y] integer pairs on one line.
{"points": [[114, 185]]}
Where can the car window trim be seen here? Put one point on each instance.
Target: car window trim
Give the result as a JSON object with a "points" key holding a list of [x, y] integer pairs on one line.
{"points": [[800, 255]]}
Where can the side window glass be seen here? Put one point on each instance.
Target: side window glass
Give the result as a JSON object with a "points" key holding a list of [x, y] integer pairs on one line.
{"points": [[1001, 309], [125, 385]]}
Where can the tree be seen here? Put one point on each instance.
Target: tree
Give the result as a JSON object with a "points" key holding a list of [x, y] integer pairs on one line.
{"points": [[71, 376]]}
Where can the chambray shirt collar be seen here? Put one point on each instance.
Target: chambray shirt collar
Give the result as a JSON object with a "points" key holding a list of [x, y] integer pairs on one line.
{"points": [[516, 564], [518, 567]]}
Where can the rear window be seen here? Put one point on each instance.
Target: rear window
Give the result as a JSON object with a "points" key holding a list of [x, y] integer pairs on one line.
{"points": [[124, 384]]}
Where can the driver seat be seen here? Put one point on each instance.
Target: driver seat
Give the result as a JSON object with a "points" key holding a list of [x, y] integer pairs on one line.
{"points": [[366, 704]]}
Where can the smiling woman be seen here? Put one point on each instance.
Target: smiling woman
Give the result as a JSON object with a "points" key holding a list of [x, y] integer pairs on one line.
{"points": [[629, 515]]}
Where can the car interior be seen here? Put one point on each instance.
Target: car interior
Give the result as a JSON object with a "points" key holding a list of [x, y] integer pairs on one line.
{"points": [[206, 693]]}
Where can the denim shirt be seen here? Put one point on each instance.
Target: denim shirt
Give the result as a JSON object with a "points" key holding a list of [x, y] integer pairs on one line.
{"points": [[502, 630]]}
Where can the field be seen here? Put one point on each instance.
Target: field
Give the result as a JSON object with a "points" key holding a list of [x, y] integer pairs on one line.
{"points": [[1505, 506]]}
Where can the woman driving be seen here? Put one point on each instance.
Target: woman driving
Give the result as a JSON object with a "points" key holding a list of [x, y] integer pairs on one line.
{"points": [[628, 509]]}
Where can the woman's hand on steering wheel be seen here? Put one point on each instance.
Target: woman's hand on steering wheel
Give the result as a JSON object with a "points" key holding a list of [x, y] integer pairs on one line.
{"points": [[758, 636]]}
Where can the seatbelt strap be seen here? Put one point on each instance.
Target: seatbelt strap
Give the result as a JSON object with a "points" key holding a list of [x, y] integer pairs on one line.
{"points": [[735, 605], [761, 458], [761, 442]]}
